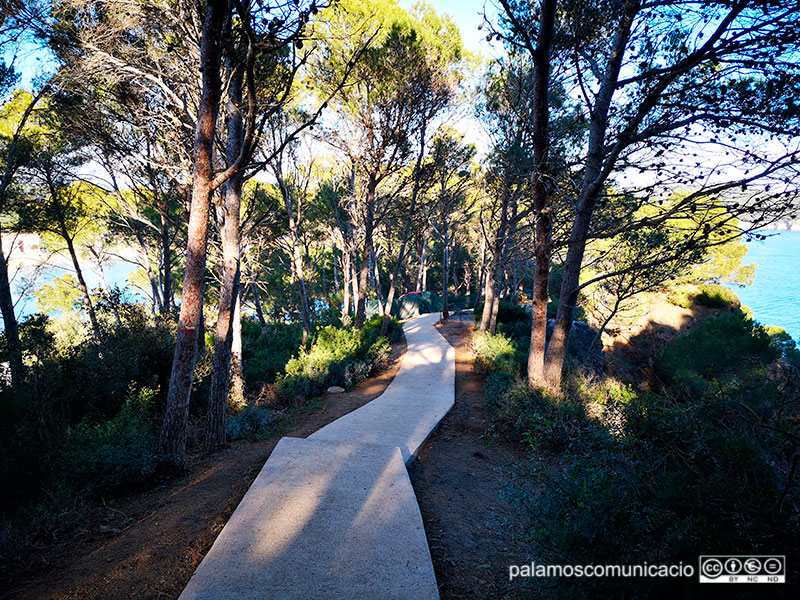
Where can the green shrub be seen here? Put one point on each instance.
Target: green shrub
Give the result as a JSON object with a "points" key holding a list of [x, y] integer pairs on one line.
{"points": [[497, 385], [725, 345], [507, 312], [717, 296], [251, 422], [680, 481], [683, 296], [624, 476], [494, 353], [338, 356], [372, 328], [82, 392], [783, 343], [265, 354], [115, 453]]}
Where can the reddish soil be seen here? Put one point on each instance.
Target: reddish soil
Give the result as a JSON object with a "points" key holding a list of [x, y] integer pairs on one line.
{"points": [[459, 480], [147, 545]]}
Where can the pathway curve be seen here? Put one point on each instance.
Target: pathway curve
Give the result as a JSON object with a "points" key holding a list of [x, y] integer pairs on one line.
{"points": [[334, 515]]}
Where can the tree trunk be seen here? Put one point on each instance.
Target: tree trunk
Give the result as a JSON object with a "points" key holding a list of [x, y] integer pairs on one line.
{"points": [[363, 278], [256, 295], [237, 380], [354, 279], [166, 257], [541, 203], [172, 443], [406, 233], [422, 273], [151, 276], [445, 274], [482, 269], [376, 281], [229, 292], [491, 301], [297, 258], [363, 283], [592, 185], [335, 265], [495, 311], [16, 366], [346, 270], [488, 301], [87, 299]]}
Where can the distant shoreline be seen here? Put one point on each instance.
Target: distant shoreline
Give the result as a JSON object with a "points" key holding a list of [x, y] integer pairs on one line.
{"points": [[779, 226]]}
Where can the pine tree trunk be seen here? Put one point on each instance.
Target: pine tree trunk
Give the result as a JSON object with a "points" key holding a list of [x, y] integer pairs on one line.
{"points": [[354, 279], [591, 187], [376, 281], [346, 270], [10, 324], [495, 311], [445, 272], [16, 366], [492, 300], [488, 301], [297, 265], [237, 379], [87, 299], [363, 284], [542, 233], [229, 292], [422, 273], [172, 442], [401, 256], [363, 277], [256, 295], [166, 257]]}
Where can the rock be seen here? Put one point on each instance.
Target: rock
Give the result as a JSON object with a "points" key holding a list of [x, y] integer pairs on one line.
{"points": [[335, 389]]}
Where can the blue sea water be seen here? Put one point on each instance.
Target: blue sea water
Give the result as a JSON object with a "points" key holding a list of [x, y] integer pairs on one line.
{"points": [[22, 287], [774, 296]]}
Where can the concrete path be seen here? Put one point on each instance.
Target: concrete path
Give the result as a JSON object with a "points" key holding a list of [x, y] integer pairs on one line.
{"points": [[334, 515], [416, 400]]}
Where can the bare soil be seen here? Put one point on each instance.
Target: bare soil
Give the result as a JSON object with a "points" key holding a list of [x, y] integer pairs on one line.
{"points": [[147, 545], [459, 479]]}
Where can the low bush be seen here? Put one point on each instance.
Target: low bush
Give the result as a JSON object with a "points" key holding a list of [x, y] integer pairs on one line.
{"points": [[266, 353], [717, 296], [784, 344], [730, 345], [507, 312], [116, 453], [338, 356], [73, 425], [494, 353], [251, 422], [618, 475]]}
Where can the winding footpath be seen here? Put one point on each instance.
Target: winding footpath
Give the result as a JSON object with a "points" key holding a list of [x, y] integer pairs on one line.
{"points": [[334, 515]]}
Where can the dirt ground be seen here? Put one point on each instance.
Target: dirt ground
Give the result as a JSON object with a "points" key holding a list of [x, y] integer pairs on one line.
{"points": [[459, 479], [147, 545]]}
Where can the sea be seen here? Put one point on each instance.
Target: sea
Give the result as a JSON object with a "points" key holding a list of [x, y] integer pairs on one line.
{"points": [[774, 296]]}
